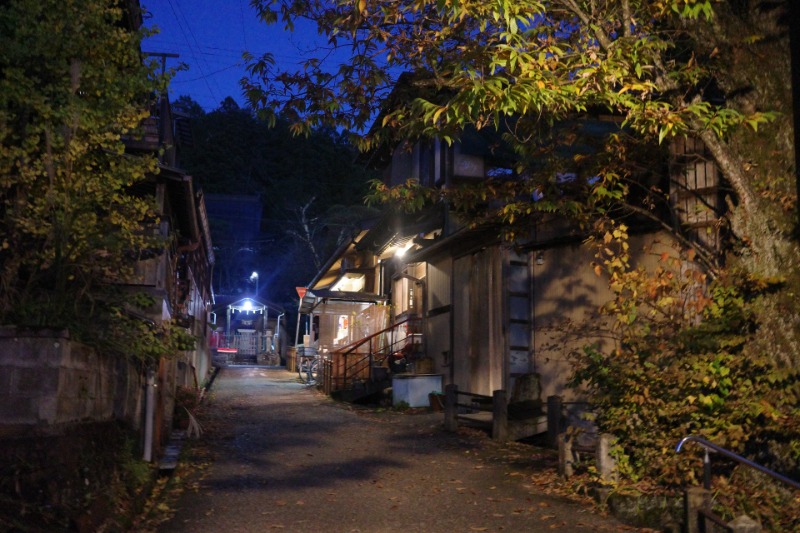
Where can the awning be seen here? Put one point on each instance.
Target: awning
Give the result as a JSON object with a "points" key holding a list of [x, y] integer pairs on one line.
{"points": [[313, 298], [249, 305]]}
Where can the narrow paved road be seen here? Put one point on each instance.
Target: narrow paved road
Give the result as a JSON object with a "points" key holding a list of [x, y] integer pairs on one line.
{"points": [[287, 458]]}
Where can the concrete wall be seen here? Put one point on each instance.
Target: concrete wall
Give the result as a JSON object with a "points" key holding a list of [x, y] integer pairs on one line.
{"points": [[567, 298], [48, 380]]}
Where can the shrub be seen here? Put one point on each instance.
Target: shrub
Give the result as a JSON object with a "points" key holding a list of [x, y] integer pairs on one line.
{"points": [[685, 363]]}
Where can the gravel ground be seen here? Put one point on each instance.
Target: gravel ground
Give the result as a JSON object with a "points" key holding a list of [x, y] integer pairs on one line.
{"points": [[278, 455]]}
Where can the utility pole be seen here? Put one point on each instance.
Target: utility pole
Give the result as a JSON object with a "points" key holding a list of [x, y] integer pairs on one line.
{"points": [[163, 56]]}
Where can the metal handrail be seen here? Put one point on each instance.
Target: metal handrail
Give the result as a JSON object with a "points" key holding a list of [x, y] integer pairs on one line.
{"points": [[364, 359], [374, 354], [738, 458], [355, 344]]}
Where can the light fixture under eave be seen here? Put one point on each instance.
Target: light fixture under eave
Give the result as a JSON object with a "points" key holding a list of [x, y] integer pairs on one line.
{"points": [[402, 251], [350, 282], [247, 305]]}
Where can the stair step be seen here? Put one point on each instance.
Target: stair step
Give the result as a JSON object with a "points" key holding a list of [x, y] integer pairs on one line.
{"points": [[361, 390], [169, 461]]}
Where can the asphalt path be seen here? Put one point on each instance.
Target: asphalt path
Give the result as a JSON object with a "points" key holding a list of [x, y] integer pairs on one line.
{"points": [[284, 457]]}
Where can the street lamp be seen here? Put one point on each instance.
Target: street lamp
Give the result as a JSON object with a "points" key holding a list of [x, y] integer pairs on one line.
{"points": [[254, 277]]}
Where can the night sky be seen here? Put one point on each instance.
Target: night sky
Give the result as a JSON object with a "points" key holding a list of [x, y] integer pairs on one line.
{"points": [[210, 36]]}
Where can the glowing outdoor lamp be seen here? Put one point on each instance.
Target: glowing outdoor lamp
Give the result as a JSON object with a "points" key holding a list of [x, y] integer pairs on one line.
{"points": [[402, 251], [254, 277]]}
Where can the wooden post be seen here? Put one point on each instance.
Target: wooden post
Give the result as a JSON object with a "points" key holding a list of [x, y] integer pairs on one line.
{"points": [[499, 415], [450, 408], [694, 499], [554, 407], [564, 456], [605, 463], [744, 524], [327, 366]]}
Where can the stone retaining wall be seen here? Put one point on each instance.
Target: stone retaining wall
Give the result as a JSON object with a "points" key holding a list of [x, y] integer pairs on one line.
{"points": [[48, 380]]}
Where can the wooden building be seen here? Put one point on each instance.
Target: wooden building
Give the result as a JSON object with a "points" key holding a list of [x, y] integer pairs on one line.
{"points": [[493, 316]]}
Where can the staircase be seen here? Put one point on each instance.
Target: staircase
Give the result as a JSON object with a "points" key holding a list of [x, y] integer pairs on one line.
{"points": [[364, 368]]}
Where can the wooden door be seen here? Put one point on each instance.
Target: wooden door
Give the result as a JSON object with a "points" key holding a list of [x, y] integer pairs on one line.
{"points": [[478, 354]]}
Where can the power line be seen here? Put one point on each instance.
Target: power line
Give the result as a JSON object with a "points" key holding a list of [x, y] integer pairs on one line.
{"points": [[214, 51], [244, 32], [207, 75], [180, 26]]}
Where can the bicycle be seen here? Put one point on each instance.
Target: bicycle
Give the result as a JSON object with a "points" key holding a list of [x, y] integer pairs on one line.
{"points": [[308, 368]]}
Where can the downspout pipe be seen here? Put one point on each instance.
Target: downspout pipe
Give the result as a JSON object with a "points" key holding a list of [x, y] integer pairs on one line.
{"points": [[149, 411], [297, 329], [278, 334]]}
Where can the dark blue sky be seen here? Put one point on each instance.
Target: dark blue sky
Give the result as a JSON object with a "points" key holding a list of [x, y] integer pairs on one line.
{"points": [[210, 36]]}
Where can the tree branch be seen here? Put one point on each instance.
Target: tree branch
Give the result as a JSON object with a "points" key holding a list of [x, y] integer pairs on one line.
{"points": [[705, 258], [602, 38], [731, 167]]}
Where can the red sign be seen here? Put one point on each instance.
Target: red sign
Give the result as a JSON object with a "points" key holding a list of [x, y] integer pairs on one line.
{"points": [[301, 291]]}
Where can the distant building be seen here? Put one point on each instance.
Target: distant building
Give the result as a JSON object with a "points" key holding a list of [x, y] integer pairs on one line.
{"points": [[235, 216], [235, 221]]}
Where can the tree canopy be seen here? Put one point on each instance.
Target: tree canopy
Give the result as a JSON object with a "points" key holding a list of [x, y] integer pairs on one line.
{"points": [[72, 84], [665, 69]]}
